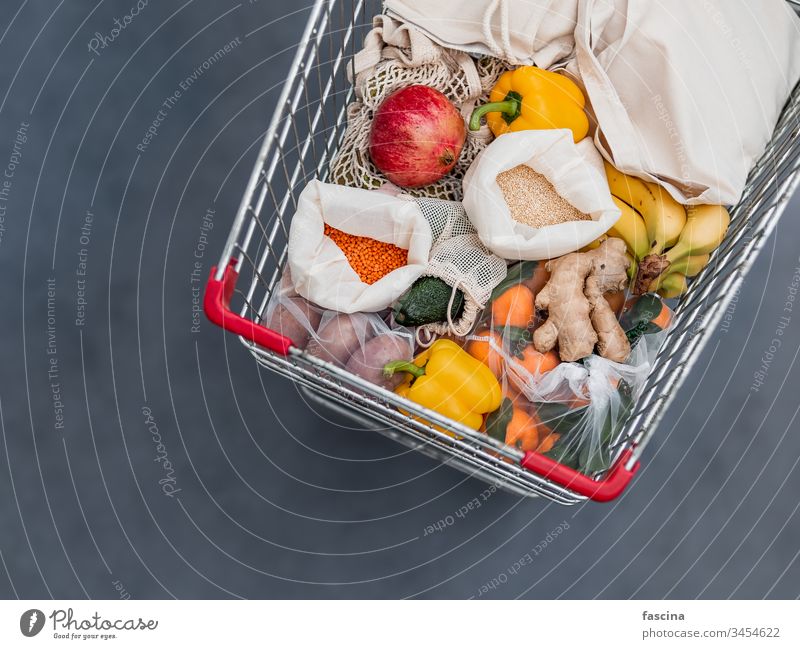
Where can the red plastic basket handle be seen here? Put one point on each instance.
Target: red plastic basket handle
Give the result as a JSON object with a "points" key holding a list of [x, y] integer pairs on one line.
{"points": [[603, 490], [216, 304]]}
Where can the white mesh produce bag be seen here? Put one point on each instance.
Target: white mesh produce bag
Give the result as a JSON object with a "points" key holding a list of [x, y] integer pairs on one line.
{"points": [[460, 260], [395, 56]]}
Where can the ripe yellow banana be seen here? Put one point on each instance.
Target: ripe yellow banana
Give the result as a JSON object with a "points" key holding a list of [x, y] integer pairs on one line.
{"points": [[691, 266], [631, 229], [705, 229], [663, 216], [665, 225], [673, 285], [626, 187], [688, 266], [594, 244], [633, 267]]}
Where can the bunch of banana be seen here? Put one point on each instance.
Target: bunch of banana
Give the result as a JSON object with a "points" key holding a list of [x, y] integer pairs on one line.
{"points": [[667, 241]]}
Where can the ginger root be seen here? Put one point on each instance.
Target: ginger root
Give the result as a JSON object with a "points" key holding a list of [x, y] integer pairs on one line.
{"points": [[568, 322], [578, 315], [609, 275]]}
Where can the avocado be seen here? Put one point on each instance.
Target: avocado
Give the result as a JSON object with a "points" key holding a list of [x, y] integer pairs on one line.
{"points": [[426, 301]]}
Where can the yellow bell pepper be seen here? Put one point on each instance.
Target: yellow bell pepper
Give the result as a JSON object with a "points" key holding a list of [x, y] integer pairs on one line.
{"points": [[532, 98], [448, 380]]}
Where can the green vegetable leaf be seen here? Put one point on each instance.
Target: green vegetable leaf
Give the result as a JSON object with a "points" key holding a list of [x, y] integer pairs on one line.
{"points": [[516, 274], [637, 320], [566, 453], [600, 460], [593, 462], [642, 329], [515, 339], [560, 417], [497, 421], [645, 309], [626, 401], [571, 449]]}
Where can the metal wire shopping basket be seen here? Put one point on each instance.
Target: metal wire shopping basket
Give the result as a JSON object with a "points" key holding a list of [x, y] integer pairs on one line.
{"points": [[302, 138]]}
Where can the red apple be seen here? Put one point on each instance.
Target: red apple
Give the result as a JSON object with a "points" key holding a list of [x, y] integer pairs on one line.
{"points": [[416, 137]]}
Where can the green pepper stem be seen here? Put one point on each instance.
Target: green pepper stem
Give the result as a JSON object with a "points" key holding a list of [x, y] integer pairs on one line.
{"points": [[510, 109], [403, 366]]}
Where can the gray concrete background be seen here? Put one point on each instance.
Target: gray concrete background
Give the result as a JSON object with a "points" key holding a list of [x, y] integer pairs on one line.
{"points": [[274, 500]]}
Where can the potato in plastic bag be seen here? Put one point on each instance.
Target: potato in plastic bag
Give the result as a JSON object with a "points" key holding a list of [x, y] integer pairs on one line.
{"points": [[360, 342]]}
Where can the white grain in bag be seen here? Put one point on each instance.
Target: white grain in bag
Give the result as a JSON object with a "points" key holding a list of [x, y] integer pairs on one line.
{"points": [[575, 171]]}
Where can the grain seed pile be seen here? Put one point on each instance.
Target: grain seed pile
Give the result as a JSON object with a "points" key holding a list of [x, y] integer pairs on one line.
{"points": [[370, 258], [533, 200]]}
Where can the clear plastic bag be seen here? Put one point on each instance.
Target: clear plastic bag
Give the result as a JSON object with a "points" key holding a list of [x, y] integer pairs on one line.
{"points": [[586, 404], [361, 343], [290, 314], [572, 412]]}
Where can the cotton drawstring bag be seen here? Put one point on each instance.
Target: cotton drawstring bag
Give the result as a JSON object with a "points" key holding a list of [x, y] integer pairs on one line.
{"points": [[575, 171], [396, 55], [320, 270], [687, 93], [522, 32]]}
